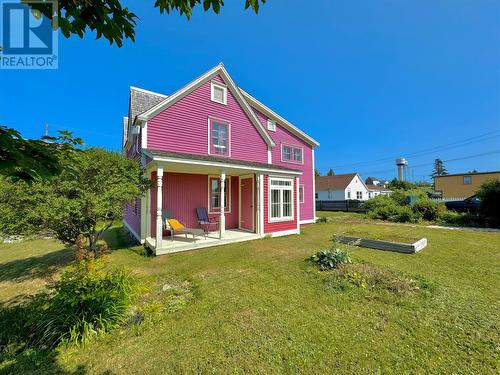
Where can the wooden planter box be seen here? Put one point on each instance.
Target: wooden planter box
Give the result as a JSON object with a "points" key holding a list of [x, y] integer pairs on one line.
{"points": [[383, 245]]}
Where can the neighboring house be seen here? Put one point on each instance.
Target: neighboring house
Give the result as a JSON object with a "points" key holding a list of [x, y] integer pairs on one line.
{"points": [[372, 181], [462, 185], [212, 145], [374, 190], [341, 187]]}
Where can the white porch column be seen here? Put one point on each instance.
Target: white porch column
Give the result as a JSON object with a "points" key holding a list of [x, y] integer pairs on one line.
{"points": [[260, 204], [297, 199], [159, 204], [222, 219]]}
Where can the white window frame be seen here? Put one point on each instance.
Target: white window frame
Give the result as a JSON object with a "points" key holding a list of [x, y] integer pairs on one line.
{"points": [[359, 195], [301, 188], [271, 125], [227, 210], [213, 85], [212, 119], [292, 154], [469, 178], [281, 189]]}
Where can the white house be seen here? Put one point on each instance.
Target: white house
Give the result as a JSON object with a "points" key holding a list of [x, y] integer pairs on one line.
{"points": [[374, 190], [341, 187]]}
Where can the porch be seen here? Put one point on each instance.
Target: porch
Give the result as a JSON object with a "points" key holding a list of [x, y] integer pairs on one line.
{"points": [[181, 243], [231, 192]]}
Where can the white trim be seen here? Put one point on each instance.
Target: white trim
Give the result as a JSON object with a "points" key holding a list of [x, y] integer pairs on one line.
{"points": [[144, 136], [142, 217], [148, 91], [220, 165], [261, 205], [193, 85], [229, 196], [271, 125], [213, 85], [281, 188], [132, 232], [297, 181], [270, 113], [269, 156], [253, 201], [284, 233], [221, 121], [314, 185], [308, 221]]}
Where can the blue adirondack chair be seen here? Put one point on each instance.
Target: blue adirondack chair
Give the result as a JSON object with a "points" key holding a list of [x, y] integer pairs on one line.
{"points": [[207, 223]]}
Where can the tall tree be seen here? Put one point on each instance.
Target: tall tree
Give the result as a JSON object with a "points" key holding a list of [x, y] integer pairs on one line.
{"points": [[330, 172], [439, 169], [111, 20], [316, 173], [28, 159]]}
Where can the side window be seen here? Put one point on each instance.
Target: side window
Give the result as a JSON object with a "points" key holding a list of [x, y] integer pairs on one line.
{"points": [[215, 201], [218, 93], [467, 180], [219, 138]]}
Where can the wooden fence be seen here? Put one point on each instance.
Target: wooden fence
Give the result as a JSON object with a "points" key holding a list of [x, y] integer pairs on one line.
{"points": [[349, 205]]}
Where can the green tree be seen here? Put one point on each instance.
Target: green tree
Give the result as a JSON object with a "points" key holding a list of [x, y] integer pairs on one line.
{"points": [[489, 194], [29, 159], [88, 198], [111, 20], [330, 172], [396, 184], [316, 173], [439, 169]]}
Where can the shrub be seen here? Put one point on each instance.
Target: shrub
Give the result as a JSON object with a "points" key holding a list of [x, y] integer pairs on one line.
{"points": [[328, 259], [459, 219], [322, 219], [86, 302], [405, 214], [489, 194], [428, 209]]}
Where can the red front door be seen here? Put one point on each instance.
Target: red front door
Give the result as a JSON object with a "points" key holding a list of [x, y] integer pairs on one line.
{"points": [[246, 203]]}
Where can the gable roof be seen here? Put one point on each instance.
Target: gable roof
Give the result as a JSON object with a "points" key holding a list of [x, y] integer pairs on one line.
{"points": [[193, 85], [377, 187], [337, 182], [142, 100], [271, 114]]}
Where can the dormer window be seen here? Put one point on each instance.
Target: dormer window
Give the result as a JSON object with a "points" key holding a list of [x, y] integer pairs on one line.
{"points": [[219, 93], [271, 125]]}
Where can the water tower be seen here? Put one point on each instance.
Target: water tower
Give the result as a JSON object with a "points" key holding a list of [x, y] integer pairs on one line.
{"points": [[401, 163]]}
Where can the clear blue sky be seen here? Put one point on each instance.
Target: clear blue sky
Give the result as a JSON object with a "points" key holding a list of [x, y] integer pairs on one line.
{"points": [[370, 80]]}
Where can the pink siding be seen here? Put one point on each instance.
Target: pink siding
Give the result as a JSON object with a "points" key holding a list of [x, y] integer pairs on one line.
{"points": [[183, 193], [280, 136], [183, 127], [282, 225], [132, 218]]}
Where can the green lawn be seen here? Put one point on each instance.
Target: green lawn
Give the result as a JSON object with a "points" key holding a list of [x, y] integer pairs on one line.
{"points": [[258, 307]]}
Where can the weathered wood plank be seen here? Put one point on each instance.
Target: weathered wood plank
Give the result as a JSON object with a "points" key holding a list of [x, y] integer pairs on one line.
{"points": [[383, 245]]}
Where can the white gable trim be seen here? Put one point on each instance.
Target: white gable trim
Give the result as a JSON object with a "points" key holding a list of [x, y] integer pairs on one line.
{"points": [[193, 85], [270, 113]]}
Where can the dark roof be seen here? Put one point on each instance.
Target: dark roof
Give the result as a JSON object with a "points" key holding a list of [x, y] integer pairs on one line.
{"points": [[377, 187], [466, 174], [217, 159], [141, 101], [337, 182]]}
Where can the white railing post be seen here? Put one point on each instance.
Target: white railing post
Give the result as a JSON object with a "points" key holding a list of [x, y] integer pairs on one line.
{"points": [[159, 204], [222, 219]]}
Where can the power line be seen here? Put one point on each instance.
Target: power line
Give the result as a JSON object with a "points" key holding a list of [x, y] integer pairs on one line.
{"points": [[431, 164], [456, 144]]}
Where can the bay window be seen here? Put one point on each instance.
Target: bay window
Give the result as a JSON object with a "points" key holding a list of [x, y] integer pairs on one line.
{"points": [[280, 199]]}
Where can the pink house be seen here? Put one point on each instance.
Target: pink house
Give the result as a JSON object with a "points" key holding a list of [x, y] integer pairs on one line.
{"points": [[211, 145]]}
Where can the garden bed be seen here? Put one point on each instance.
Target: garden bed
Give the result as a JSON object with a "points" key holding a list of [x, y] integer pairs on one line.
{"points": [[408, 248]]}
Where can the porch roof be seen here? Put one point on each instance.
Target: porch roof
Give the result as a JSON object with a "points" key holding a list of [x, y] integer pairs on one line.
{"points": [[216, 161]]}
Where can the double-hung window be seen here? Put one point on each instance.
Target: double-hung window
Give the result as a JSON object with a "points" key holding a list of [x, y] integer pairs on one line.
{"points": [[280, 199], [219, 138], [215, 196], [467, 180], [359, 195], [301, 193], [292, 154]]}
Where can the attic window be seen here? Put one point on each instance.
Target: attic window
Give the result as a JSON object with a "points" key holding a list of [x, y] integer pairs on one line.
{"points": [[271, 125], [219, 93]]}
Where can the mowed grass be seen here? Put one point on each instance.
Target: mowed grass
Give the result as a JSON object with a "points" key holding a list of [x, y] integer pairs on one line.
{"points": [[260, 308]]}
